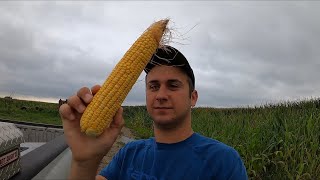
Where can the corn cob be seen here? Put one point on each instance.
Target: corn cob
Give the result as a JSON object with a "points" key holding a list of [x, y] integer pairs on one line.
{"points": [[100, 112]]}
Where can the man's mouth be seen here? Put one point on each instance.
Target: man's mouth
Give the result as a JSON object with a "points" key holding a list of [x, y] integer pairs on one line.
{"points": [[162, 108]]}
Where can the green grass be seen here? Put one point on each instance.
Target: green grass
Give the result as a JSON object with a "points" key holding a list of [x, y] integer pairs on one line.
{"points": [[32, 111], [137, 118], [276, 141]]}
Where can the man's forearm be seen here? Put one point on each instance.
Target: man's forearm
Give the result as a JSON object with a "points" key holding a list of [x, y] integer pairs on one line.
{"points": [[83, 170]]}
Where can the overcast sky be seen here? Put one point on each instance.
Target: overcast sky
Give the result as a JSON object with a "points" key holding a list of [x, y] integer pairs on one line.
{"points": [[243, 52]]}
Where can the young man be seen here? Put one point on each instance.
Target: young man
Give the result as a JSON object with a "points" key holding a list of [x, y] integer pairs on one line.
{"points": [[175, 152]]}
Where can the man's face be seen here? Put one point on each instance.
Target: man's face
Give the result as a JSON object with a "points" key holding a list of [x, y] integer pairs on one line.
{"points": [[167, 96]]}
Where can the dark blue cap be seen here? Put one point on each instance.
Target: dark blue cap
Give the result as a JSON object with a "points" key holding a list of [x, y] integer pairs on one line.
{"points": [[168, 55]]}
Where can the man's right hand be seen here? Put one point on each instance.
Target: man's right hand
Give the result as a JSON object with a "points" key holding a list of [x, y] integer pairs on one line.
{"points": [[87, 151]]}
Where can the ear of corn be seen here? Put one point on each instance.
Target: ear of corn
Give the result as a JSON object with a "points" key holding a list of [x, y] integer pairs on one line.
{"points": [[100, 112]]}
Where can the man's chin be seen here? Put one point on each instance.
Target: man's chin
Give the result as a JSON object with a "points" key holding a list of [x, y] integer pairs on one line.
{"points": [[165, 123], [163, 120]]}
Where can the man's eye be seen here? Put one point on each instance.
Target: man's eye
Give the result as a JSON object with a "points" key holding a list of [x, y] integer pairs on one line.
{"points": [[174, 86], [153, 87]]}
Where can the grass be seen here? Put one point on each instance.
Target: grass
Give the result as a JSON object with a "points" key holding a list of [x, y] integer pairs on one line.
{"points": [[276, 141], [32, 111]]}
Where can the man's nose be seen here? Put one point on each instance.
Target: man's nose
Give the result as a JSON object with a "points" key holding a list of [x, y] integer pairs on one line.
{"points": [[162, 94]]}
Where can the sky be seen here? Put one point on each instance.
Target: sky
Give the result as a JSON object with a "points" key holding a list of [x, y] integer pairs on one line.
{"points": [[243, 53]]}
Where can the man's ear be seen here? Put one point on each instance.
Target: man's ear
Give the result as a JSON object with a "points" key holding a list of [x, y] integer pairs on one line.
{"points": [[194, 98]]}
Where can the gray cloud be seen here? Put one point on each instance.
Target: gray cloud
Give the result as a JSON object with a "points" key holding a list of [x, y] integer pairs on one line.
{"points": [[243, 53]]}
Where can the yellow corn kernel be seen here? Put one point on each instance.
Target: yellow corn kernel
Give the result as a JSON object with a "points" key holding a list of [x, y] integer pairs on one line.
{"points": [[100, 112]]}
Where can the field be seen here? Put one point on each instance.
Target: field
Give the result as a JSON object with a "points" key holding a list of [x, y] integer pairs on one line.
{"points": [[22, 110], [276, 141]]}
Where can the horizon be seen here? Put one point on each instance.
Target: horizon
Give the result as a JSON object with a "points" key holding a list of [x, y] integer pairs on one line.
{"points": [[284, 102]]}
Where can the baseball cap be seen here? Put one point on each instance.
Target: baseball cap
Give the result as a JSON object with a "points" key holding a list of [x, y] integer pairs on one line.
{"points": [[170, 56]]}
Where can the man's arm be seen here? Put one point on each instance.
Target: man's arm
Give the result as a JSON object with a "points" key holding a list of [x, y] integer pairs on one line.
{"points": [[87, 152]]}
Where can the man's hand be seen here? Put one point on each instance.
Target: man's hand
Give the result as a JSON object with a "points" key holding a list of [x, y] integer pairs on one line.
{"points": [[87, 152]]}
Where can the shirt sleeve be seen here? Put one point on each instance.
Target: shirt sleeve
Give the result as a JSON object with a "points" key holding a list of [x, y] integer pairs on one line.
{"points": [[112, 170], [239, 171], [233, 166]]}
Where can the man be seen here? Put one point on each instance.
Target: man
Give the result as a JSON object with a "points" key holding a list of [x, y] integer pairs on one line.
{"points": [[175, 152]]}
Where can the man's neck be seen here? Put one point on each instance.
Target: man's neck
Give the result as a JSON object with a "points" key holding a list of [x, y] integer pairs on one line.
{"points": [[172, 135]]}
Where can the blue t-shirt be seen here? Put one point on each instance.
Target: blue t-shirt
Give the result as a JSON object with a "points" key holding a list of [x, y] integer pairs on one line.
{"points": [[197, 157]]}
